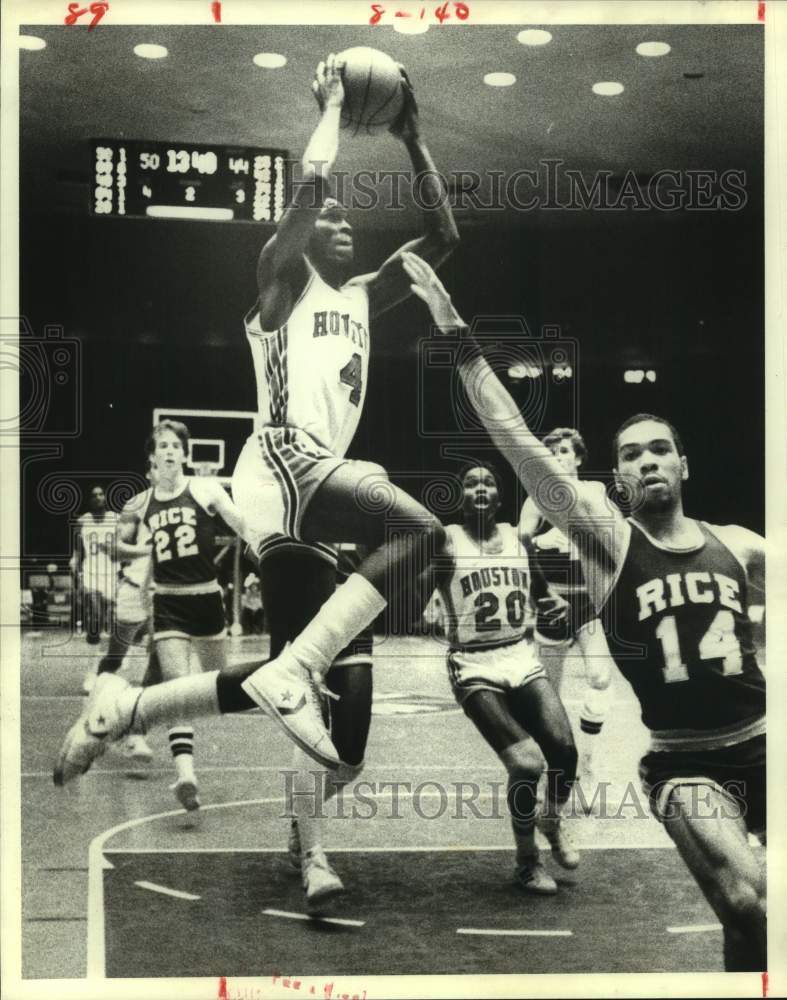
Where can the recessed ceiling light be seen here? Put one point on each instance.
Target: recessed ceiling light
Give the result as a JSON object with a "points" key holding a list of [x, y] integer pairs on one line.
{"points": [[31, 42], [410, 26], [270, 60], [652, 49], [608, 88], [499, 79], [146, 51], [533, 36]]}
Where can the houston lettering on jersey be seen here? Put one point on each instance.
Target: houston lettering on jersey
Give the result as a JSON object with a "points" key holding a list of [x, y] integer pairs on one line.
{"points": [[330, 321], [494, 576], [677, 589]]}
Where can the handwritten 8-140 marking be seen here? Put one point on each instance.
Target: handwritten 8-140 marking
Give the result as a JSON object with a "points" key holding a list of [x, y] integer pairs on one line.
{"points": [[442, 13]]}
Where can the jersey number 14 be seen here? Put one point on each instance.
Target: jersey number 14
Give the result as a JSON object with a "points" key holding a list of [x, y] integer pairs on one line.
{"points": [[719, 643]]}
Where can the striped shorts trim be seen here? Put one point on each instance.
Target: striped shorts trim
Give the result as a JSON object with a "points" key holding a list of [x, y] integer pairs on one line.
{"points": [[281, 543], [299, 465]]}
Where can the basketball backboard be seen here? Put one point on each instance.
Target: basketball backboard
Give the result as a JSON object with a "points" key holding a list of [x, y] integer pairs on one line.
{"points": [[216, 437]]}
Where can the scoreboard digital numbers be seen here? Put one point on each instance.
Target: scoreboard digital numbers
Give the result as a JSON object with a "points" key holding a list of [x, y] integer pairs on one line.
{"points": [[179, 181]]}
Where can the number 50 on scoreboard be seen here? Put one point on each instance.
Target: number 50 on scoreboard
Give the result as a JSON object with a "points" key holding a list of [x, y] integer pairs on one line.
{"points": [[186, 181]]}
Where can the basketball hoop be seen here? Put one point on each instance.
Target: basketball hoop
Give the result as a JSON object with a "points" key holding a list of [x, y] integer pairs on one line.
{"points": [[204, 468]]}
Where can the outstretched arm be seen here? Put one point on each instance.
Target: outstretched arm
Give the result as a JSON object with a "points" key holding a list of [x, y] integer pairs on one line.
{"points": [[563, 501], [390, 285], [127, 543], [281, 270]]}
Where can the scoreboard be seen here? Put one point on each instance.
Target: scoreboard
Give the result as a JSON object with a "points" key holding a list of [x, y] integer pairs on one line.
{"points": [[185, 181]]}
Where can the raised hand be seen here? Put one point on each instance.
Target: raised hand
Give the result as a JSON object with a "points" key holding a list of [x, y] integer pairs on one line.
{"points": [[427, 286], [327, 85], [406, 126]]}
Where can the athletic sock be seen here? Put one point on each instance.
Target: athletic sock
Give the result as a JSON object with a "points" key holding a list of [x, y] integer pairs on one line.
{"points": [[184, 698], [347, 612], [312, 787], [181, 743], [591, 721], [594, 709], [306, 800]]}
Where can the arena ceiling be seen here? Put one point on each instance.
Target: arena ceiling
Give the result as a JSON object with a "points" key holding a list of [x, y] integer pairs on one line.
{"points": [[698, 107]]}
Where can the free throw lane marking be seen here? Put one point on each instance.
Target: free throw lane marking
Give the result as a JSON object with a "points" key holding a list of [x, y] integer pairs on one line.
{"points": [[165, 891], [492, 932], [694, 929], [344, 922]]}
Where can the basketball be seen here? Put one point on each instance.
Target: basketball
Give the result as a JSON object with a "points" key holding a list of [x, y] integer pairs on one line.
{"points": [[373, 96]]}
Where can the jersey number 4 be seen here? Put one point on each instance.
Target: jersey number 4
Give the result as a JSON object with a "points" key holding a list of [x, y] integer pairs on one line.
{"points": [[719, 643], [351, 375], [184, 538]]}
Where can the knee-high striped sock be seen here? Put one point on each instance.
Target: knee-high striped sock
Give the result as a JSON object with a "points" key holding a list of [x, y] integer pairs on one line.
{"points": [[591, 721], [181, 743]]}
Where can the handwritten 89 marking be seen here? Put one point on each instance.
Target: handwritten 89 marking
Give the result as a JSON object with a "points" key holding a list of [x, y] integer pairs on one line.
{"points": [[442, 13]]}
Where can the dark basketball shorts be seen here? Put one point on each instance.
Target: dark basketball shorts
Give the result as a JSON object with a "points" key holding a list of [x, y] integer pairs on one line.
{"points": [[187, 616], [737, 772]]}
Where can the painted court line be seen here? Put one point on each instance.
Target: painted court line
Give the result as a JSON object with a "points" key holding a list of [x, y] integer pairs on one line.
{"points": [[165, 891], [489, 932], [343, 921], [694, 929], [98, 862]]}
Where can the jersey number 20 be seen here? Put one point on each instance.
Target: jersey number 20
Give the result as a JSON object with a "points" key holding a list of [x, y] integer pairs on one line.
{"points": [[351, 375], [184, 537], [488, 604]]}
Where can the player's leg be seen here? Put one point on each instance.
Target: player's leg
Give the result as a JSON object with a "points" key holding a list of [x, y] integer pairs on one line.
{"points": [[355, 503], [212, 653], [91, 623], [538, 709], [490, 711], [295, 581], [596, 700], [174, 653], [713, 841], [92, 616], [358, 503], [117, 648], [123, 636]]}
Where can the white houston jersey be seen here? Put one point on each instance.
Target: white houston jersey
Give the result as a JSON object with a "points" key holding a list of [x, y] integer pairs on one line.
{"points": [[311, 373], [487, 601], [99, 565]]}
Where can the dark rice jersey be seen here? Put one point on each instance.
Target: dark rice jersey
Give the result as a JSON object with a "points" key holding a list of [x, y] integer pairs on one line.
{"points": [[678, 628], [184, 534]]}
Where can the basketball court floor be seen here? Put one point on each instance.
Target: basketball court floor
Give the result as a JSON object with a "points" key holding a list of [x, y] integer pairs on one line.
{"points": [[119, 882]]}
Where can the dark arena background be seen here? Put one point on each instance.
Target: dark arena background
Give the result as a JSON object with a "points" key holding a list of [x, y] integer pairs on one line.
{"points": [[652, 287]]}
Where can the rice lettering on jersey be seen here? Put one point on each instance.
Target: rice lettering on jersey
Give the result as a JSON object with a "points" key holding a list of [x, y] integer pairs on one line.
{"points": [[677, 626], [311, 373], [487, 600], [184, 536]]}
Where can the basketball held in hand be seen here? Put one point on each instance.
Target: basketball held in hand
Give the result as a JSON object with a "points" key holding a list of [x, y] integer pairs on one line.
{"points": [[373, 97]]}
